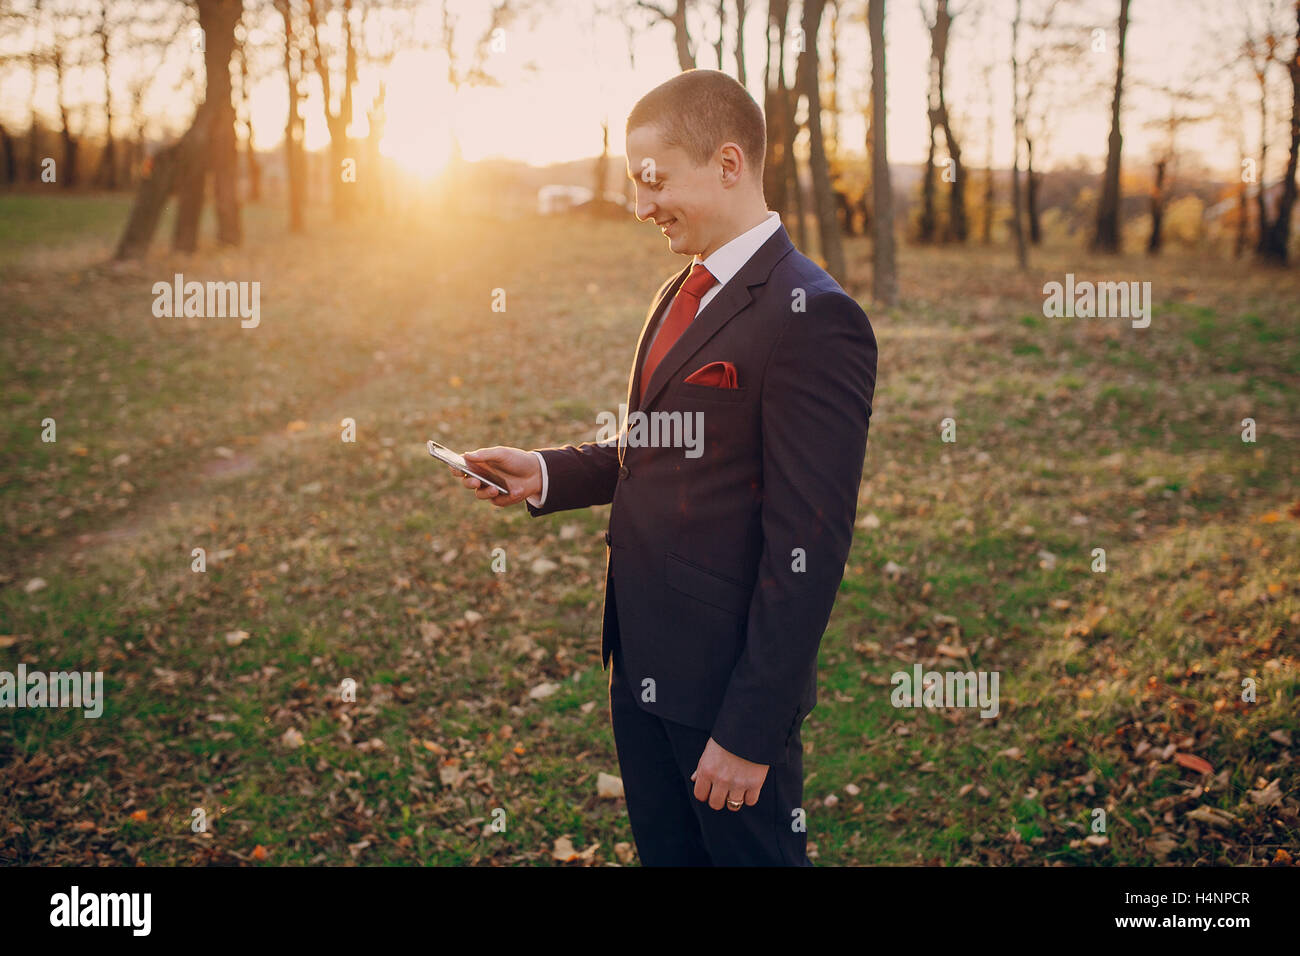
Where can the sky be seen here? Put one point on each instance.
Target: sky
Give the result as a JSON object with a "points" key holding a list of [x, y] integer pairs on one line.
{"points": [[563, 69]]}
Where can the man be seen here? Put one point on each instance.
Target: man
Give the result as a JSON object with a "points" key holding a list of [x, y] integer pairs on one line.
{"points": [[723, 563]]}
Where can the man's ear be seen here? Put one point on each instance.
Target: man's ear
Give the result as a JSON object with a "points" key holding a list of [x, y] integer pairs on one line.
{"points": [[731, 164]]}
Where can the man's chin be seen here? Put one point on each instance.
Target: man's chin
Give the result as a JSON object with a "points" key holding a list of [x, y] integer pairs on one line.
{"points": [[680, 246]]}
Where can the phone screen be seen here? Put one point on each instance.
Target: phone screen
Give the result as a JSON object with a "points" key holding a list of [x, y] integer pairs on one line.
{"points": [[446, 455]]}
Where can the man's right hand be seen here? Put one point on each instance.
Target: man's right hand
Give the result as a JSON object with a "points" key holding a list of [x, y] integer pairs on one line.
{"points": [[519, 469]]}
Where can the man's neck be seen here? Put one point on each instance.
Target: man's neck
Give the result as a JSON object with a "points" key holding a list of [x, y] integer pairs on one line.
{"points": [[742, 225]]}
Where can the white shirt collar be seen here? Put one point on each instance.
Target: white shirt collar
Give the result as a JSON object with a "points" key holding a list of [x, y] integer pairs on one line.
{"points": [[726, 261]]}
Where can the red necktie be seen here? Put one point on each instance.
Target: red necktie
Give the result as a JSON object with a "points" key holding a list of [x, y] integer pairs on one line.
{"points": [[685, 304]]}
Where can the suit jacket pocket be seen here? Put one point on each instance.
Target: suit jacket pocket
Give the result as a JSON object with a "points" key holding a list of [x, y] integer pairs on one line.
{"points": [[713, 393], [705, 585]]}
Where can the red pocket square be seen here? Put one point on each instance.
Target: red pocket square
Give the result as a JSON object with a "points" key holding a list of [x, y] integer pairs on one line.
{"points": [[717, 374]]}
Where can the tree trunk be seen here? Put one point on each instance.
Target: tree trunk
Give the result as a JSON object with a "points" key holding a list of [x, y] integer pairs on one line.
{"points": [[1261, 203], [191, 186], [1243, 222], [293, 165], [68, 172], [1156, 240], [774, 108], [336, 121], [159, 183], [682, 37], [845, 212], [884, 277], [824, 199], [788, 161], [957, 228], [377, 119], [107, 174], [958, 224], [989, 192], [1277, 236], [722, 32], [1106, 238], [1032, 181], [217, 52], [928, 224], [1017, 223], [208, 145], [33, 171], [602, 167], [10, 156], [833, 92], [796, 189], [251, 165], [741, 12]]}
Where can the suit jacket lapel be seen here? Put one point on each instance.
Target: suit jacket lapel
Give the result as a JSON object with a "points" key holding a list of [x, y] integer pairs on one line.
{"points": [[726, 305], [661, 304], [634, 379]]}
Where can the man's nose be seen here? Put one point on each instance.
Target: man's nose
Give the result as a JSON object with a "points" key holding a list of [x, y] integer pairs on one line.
{"points": [[644, 209]]}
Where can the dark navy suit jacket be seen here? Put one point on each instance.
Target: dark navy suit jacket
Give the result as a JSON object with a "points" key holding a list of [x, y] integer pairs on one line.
{"points": [[725, 567]]}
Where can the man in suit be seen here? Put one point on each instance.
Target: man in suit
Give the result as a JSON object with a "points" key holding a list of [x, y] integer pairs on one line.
{"points": [[724, 561]]}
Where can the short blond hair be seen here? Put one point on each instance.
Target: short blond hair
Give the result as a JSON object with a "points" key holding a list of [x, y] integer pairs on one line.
{"points": [[699, 110]]}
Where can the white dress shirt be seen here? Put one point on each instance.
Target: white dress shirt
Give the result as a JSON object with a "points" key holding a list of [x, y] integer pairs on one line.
{"points": [[723, 265]]}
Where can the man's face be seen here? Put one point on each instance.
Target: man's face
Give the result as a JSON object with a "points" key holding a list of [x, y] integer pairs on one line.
{"points": [[683, 199]]}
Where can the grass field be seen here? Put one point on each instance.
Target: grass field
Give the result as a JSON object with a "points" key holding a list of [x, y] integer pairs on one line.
{"points": [[1121, 691]]}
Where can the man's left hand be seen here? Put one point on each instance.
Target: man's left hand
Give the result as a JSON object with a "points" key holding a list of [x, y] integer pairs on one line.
{"points": [[721, 776]]}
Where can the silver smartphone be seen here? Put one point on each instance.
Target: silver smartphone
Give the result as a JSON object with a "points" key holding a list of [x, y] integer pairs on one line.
{"points": [[449, 457]]}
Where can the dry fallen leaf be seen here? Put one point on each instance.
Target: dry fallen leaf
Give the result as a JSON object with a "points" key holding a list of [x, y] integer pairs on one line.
{"points": [[1161, 844], [1266, 796], [545, 689], [563, 850], [1193, 762], [1212, 815]]}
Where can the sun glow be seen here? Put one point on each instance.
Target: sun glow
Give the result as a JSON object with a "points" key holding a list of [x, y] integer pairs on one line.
{"points": [[420, 116]]}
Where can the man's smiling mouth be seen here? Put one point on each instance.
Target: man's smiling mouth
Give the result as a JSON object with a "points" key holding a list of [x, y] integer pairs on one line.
{"points": [[665, 226]]}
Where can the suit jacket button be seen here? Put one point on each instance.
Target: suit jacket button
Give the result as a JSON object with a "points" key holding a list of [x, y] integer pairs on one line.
{"points": [[623, 472]]}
